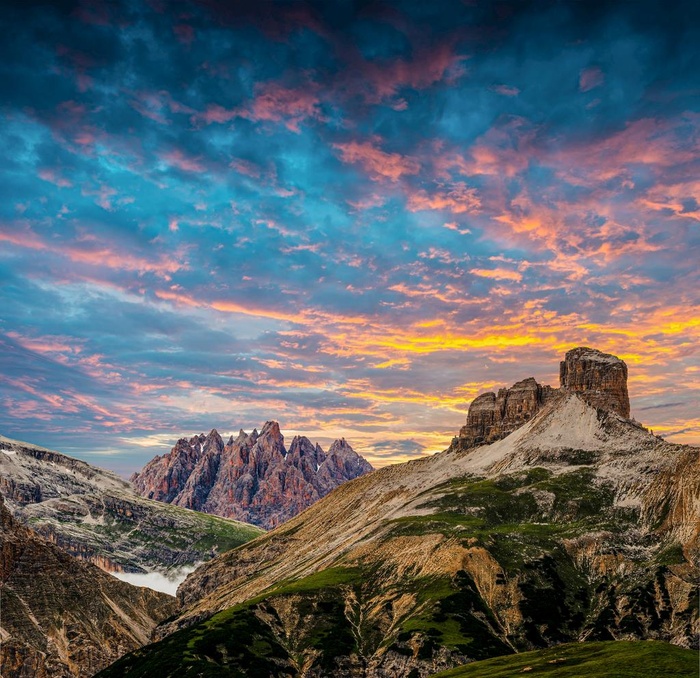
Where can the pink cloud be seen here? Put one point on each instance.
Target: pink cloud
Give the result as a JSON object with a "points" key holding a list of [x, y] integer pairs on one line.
{"points": [[52, 176], [94, 253], [275, 103], [504, 149], [458, 199], [381, 80], [377, 163], [215, 113], [590, 78], [103, 195], [47, 343], [506, 90], [178, 159], [250, 169]]}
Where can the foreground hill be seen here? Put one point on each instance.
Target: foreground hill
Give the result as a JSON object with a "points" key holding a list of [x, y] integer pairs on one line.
{"points": [[620, 659], [96, 516], [577, 525], [253, 478], [63, 617]]}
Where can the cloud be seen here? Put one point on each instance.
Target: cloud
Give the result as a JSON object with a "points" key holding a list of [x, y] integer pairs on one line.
{"points": [[590, 78], [351, 221], [164, 582], [378, 164]]}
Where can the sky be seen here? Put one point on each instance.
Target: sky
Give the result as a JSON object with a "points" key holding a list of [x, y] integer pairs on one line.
{"points": [[351, 218]]}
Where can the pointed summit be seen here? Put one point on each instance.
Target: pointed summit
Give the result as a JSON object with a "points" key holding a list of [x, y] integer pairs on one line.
{"points": [[252, 477]]}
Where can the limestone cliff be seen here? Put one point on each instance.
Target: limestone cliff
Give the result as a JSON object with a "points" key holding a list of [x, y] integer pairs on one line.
{"points": [[600, 378], [494, 416], [252, 478], [62, 617]]}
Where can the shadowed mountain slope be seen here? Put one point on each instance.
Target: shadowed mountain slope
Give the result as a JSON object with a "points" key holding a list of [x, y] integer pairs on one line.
{"points": [[96, 516], [63, 617]]}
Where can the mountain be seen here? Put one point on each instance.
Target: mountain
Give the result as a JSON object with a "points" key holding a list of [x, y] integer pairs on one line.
{"points": [[252, 478], [94, 515], [579, 525], [63, 617]]}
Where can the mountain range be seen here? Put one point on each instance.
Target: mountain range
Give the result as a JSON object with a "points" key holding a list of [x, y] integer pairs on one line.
{"points": [[553, 517], [252, 478]]}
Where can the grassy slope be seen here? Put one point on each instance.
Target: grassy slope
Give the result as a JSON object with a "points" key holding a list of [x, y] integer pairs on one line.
{"points": [[502, 515], [618, 659], [160, 534]]}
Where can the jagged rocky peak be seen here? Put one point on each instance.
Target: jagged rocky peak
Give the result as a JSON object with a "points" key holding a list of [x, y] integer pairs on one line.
{"points": [[342, 451], [252, 477], [600, 378]]}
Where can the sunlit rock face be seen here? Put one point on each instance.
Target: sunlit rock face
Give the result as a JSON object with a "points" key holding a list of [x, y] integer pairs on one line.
{"points": [[494, 416], [252, 477], [600, 378]]}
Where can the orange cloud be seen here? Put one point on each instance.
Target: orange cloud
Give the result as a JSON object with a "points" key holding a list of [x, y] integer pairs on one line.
{"points": [[378, 164], [458, 199], [497, 274]]}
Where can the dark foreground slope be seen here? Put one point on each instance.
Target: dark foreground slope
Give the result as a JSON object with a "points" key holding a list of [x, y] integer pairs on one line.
{"points": [[579, 525], [63, 617]]}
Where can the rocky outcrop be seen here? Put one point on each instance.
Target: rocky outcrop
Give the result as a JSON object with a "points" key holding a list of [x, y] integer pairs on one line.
{"points": [[62, 617], [96, 516], [600, 378], [252, 478], [494, 416]]}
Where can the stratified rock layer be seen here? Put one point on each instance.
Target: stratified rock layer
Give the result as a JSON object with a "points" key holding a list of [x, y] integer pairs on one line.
{"points": [[253, 478], [62, 617], [600, 378], [492, 417]]}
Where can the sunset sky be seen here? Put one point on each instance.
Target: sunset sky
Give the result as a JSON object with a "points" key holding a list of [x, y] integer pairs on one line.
{"points": [[351, 218]]}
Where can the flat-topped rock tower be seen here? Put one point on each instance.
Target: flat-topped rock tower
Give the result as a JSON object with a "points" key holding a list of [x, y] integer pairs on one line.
{"points": [[599, 378]]}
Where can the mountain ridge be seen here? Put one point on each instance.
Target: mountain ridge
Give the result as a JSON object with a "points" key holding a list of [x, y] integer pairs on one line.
{"points": [[96, 516], [253, 477]]}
